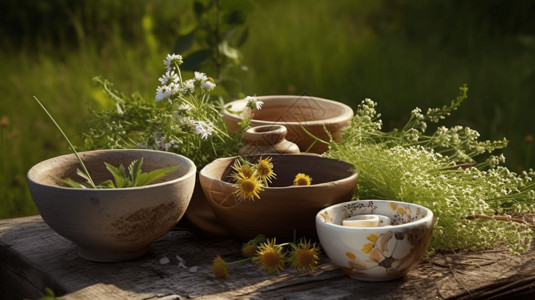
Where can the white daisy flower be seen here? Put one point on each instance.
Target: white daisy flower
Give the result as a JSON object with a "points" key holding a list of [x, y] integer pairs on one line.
{"points": [[162, 92], [254, 103], [204, 129], [171, 59], [208, 85], [169, 76], [188, 86], [200, 76]]}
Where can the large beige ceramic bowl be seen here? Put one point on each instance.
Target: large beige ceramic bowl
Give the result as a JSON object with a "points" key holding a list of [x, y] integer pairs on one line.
{"points": [[375, 253], [112, 224], [282, 208], [314, 114]]}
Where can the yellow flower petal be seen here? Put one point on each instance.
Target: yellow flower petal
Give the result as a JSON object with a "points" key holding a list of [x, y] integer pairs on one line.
{"points": [[367, 248], [220, 268], [372, 238], [302, 179], [270, 257], [351, 255]]}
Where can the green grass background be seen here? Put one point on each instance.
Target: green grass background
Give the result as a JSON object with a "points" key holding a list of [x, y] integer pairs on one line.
{"points": [[401, 54]]}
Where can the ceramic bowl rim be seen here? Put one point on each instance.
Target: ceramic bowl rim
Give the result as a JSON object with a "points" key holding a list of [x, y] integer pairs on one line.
{"points": [[331, 226], [345, 116], [191, 171], [226, 184]]}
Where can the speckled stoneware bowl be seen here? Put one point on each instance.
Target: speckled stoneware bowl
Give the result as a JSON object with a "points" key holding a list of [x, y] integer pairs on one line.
{"points": [[282, 207], [375, 253], [112, 224], [294, 112]]}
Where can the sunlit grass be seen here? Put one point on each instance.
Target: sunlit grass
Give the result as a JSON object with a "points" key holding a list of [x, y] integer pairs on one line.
{"points": [[341, 50]]}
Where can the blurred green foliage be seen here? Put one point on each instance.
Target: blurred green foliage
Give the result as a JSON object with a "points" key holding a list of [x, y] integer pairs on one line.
{"points": [[400, 53]]}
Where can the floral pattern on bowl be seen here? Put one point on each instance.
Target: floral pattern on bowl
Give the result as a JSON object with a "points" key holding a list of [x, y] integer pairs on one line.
{"points": [[375, 253]]}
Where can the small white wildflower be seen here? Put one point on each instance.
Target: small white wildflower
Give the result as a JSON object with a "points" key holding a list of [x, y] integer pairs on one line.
{"points": [[204, 129], [172, 59], [162, 92], [174, 88], [168, 77], [199, 76], [184, 106], [208, 85], [188, 86], [254, 103]]}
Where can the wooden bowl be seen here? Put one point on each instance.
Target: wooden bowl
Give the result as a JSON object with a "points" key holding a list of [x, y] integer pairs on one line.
{"points": [[111, 225], [282, 208], [315, 114]]}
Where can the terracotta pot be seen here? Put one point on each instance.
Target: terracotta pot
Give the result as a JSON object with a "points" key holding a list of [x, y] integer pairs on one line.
{"points": [[315, 114], [112, 224], [282, 208], [267, 139]]}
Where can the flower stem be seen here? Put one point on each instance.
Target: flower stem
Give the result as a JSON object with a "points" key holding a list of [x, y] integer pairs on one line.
{"points": [[90, 180]]}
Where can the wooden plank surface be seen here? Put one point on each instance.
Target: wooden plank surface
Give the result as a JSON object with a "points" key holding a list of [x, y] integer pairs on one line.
{"points": [[33, 257]]}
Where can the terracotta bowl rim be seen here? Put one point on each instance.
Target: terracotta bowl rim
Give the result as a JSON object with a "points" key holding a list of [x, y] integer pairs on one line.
{"points": [[331, 226], [229, 185], [191, 171], [345, 116]]}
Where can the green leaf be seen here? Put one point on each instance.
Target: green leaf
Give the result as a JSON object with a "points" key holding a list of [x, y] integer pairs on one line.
{"points": [[243, 37], [147, 178], [108, 184], [85, 176], [184, 42], [196, 60], [71, 183], [135, 170], [118, 174], [235, 17], [198, 8]]}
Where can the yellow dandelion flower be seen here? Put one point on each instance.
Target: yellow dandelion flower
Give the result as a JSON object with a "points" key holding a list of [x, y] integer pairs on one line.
{"points": [[304, 256], [270, 257], [367, 248], [242, 170], [249, 250], [248, 188], [220, 268], [351, 255], [302, 179], [372, 238], [264, 169]]}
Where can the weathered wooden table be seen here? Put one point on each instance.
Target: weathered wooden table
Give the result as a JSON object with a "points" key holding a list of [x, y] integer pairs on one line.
{"points": [[33, 257]]}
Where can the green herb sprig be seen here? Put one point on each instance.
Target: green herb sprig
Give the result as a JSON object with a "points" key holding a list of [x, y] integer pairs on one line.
{"points": [[449, 171], [183, 118], [134, 178]]}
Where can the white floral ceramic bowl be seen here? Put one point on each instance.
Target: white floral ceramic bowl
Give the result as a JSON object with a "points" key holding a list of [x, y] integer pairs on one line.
{"points": [[375, 253]]}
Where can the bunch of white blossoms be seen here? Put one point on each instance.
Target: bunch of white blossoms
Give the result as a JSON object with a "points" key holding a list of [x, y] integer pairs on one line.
{"points": [[173, 87]]}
